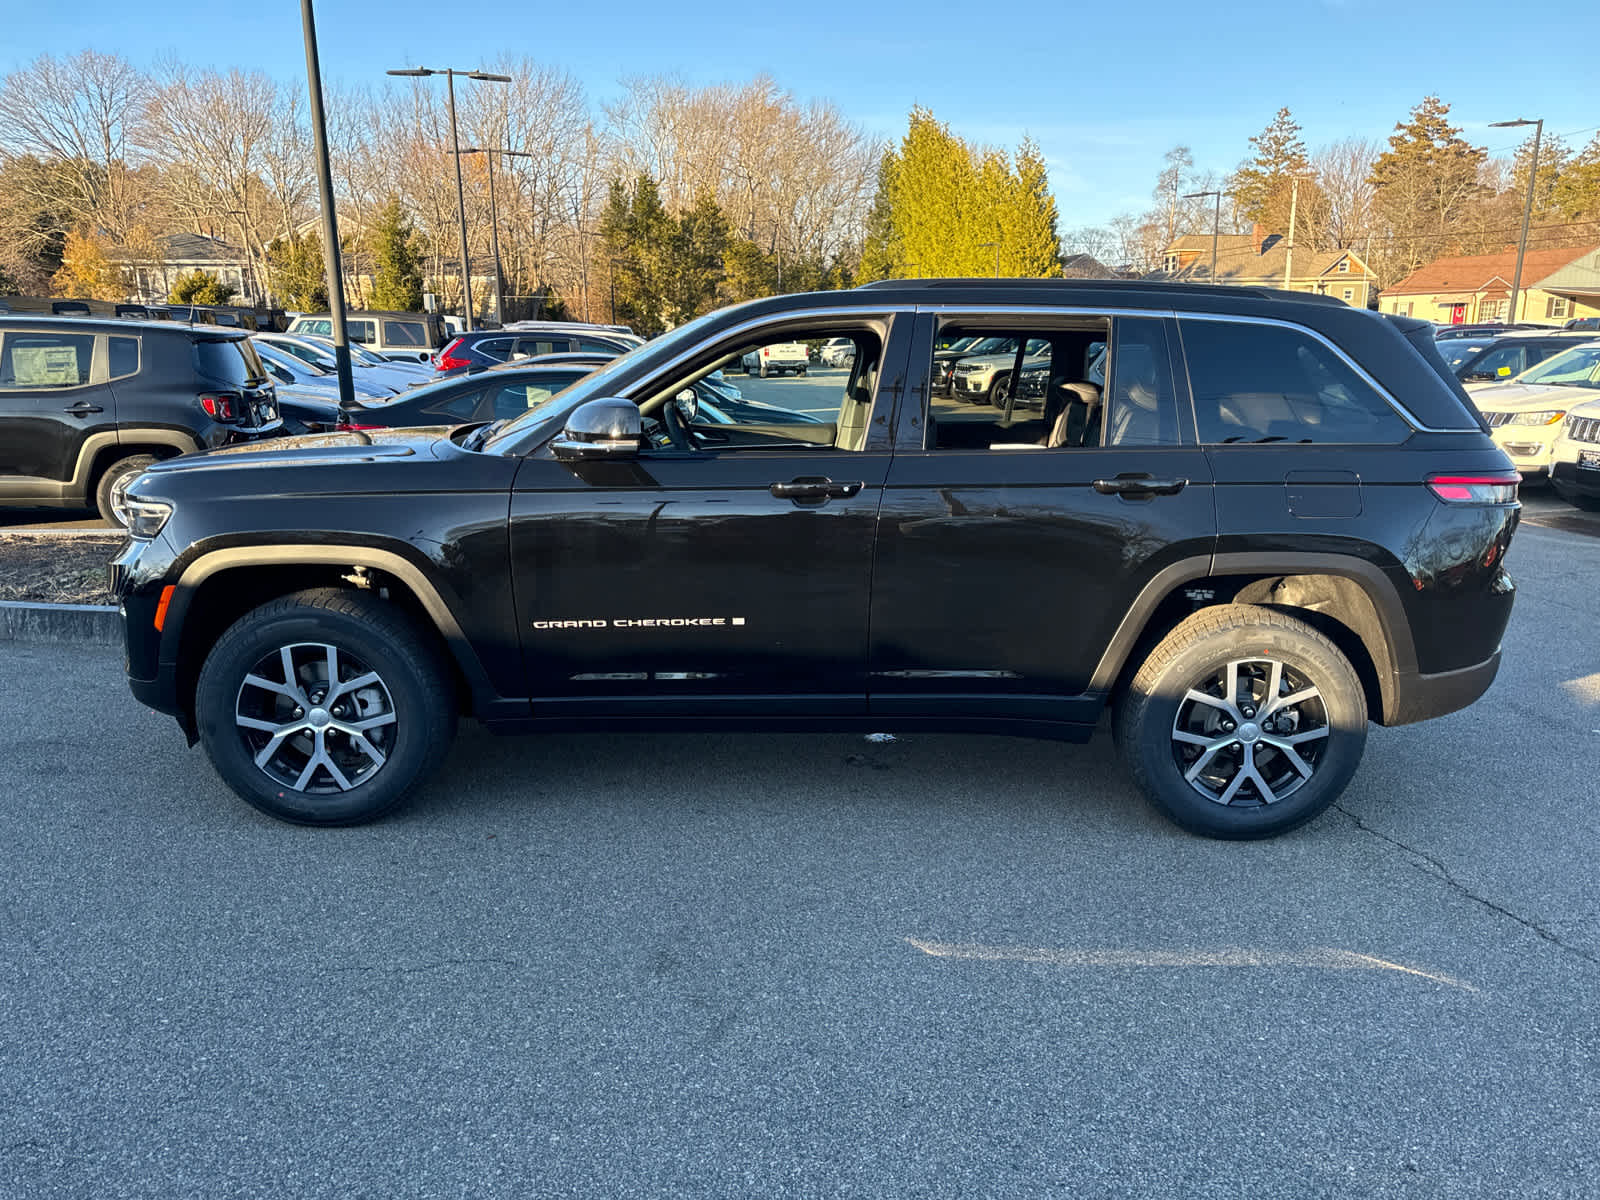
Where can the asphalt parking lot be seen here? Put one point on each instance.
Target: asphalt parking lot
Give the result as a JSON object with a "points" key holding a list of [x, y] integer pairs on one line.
{"points": [[657, 965]]}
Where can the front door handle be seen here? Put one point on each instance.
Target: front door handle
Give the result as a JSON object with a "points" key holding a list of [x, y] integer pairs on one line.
{"points": [[814, 489], [1140, 484], [83, 408]]}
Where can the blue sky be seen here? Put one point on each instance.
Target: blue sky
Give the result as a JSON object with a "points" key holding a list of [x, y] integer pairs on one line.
{"points": [[1105, 89]]}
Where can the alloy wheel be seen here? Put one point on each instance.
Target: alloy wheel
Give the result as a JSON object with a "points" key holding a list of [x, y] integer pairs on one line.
{"points": [[1251, 733], [316, 718]]}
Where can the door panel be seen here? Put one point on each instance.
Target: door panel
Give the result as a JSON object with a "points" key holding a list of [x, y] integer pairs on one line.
{"points": [[1001, 576], [47, 416], [675, 583]]}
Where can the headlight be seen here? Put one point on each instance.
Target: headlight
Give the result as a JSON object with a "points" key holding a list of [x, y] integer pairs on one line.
{"points": [[1538, 418], [146, 518]]}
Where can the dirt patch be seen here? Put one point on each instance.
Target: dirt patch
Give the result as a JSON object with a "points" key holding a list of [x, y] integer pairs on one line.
{"points": [[53, 569]]}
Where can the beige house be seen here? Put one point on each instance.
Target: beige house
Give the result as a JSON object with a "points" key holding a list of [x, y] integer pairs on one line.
{"points": [[1257, 259], [1557, 285], [151, 278]]}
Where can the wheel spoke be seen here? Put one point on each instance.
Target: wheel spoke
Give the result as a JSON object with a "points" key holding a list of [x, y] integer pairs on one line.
{"points": [[360, 681], [1192, 739], [1201, 698], [1288, 751], [1274, 682], [338, 775], [266, 726], [315, 761], [268, 685], [333, 674], [1255, 776], [1300, 697], [360, 743], [1233, 684], [1201, 763], [1239, 777], [370, 723], [274, 744], [1295, 739]]}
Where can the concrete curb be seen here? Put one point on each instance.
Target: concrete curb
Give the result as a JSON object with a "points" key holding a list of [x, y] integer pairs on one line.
{"points": [[86, 624]]}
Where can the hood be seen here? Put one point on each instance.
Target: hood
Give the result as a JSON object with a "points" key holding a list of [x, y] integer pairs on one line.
{"points": [[988, 362], [334, 449], [1524, 397]]}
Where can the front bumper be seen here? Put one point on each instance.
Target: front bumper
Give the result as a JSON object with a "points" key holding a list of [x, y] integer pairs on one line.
{"points": [[1531, 448], [1568, 477]]}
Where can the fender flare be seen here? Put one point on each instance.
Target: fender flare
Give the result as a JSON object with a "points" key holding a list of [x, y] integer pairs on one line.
{"points": [[1396, 658], [214, 562]]}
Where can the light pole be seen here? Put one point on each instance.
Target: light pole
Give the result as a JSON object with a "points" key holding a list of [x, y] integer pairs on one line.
{"points": [[1527, 207], [995, 246], [494, 221], [1216, 222], [330, 222], [450, 74]]}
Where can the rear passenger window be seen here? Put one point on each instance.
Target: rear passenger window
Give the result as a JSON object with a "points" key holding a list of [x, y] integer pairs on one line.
{"points": [[45, 360], [359, 331], [1000, 389], [534, 346], [404, 333], [460, 407], [495, 348], [1268, 383], [593, 347], [518, 398], [124, 357]]}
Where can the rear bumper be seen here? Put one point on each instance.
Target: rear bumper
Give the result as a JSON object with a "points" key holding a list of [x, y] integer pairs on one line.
{"points": [[1419, 697]]}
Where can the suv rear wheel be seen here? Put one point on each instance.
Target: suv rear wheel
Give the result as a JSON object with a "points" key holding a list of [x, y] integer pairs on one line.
{"points": [[1243, 723], [325, 707], [111, 494]]}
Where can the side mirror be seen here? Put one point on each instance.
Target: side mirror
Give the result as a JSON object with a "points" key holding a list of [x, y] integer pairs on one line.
{"points": [[606, 428], [688, 405]]}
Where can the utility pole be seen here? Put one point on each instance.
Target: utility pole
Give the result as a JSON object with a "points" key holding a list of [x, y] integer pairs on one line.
{"points": [[1527, 207], [450, 74], [330, 220], [1216, 224], [494, 222], [1288, 253]]}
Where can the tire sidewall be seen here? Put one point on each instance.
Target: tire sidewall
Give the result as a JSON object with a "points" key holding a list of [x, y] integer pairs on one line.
{"points": [[253, 638], [123, 468], [1151, 742]]}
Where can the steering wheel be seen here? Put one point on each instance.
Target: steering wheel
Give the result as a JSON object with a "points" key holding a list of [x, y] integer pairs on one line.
{"points": [[672, 424]]}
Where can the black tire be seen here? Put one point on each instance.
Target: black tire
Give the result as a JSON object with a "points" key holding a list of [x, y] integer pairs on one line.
{"points": [[369, 636], [1577, 499], [800, 371], [763, 370], [114, 481], [999, 390], [1194, 658]]}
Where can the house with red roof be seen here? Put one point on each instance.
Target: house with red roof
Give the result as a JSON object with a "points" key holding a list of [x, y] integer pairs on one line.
{"points": [[1467, 289]]}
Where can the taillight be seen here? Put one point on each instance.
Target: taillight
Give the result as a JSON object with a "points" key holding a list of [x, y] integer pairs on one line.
{"points": [[363, 428], [1498, 487], [448, 360], [220, 406]]}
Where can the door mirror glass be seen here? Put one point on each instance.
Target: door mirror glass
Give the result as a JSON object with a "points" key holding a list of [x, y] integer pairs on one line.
{"points": [[606, 428], [688, 403]]}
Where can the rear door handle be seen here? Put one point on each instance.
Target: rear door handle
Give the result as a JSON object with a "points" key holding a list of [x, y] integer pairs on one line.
{"points": [[1139, 485], [815, 488], [83, 408]]}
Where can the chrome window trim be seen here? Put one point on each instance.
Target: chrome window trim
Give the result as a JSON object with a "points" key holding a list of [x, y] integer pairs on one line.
{"points": [[1184, 315]]}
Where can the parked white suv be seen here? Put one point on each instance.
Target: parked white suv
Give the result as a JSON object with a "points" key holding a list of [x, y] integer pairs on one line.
{"points": [[836, 352], [1575, 466], [1526, 416]]}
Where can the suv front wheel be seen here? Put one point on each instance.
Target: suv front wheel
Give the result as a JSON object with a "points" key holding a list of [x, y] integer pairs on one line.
{"points": [[111, 494], [325, 707], [1243, 723]]}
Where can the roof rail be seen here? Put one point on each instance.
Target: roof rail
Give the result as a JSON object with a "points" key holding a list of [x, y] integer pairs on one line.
{"points": [[1144, 286]]}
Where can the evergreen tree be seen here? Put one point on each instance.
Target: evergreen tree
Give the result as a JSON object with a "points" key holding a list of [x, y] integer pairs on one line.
{"points": [[397, 281], [1554, 159], [297, 271], [200, 287], [1263, 186], [637, 231], [878, 251], [695, 252], [1426, 184], [1030, 247], [1576, 192]]}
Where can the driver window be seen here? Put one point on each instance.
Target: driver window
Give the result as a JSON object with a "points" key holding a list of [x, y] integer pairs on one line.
{"points": [[810, 390]]}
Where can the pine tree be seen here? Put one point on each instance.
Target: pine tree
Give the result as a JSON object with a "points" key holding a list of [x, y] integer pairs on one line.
{"points": [[696, 246], [1576, 193], [397, 280], [878, 251], [298, 273], [1263, 186], [1554, 159], [1425, 185]]}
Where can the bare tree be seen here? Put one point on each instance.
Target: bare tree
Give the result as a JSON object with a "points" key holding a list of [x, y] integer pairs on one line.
{"points": [[82, 112]]}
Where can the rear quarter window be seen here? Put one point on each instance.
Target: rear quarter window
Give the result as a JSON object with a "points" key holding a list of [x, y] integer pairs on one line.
{"points": [[404, 333], [1271, 383], [232, 361]]}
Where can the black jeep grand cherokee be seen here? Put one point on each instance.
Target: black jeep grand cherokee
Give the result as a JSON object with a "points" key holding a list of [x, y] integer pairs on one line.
{"points": [[1277, 520]]}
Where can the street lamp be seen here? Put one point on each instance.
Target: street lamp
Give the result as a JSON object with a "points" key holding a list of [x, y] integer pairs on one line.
{"points": [[995, 246], [494, 221], [330, 220], [1527, 207], [450, 74], [1216, 222]]}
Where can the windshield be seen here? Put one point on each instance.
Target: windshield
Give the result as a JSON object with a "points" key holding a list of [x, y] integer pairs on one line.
{"points": [[1456, 351], [595, 384], [1578, 367]]}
